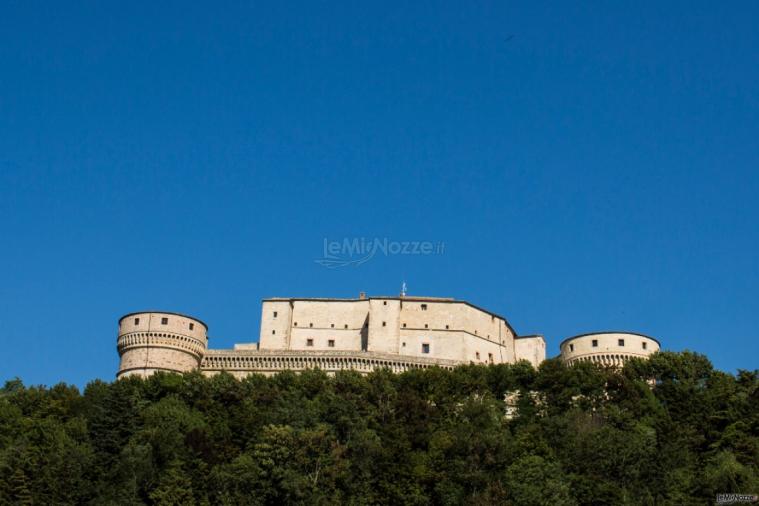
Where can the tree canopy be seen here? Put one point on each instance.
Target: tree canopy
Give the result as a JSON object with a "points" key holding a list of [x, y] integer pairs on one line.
{"points": [[669, 430]]}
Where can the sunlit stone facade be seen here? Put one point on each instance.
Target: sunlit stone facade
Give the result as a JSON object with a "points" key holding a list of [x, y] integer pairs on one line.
{"points": [[398, 333]]}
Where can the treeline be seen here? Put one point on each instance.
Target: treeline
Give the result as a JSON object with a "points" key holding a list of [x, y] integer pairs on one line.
{"points": [[671, 430]]}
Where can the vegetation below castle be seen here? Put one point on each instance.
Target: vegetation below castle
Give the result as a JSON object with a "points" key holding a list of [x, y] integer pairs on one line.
{"points": [[581, 435]]}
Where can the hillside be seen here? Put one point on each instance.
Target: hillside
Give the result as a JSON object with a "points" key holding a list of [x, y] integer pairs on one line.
{"points": [[671, 430]]}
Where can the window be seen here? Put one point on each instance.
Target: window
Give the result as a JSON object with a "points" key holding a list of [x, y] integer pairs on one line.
{"points": [[136, 321], [295, 324], [309, 342], [477, 355], [404, 345], [621, 342], [384, 303], [426, 326], [384, 324], [595, 343], [192, 326], [446, 327], [404, 325], [424, 307], [275, 314], [331, 343], [425, 347], [490, 358], [273, 332], [164, 321], [645, 345], [346, 325], [332, 325], [310, 325], [571, 347]]}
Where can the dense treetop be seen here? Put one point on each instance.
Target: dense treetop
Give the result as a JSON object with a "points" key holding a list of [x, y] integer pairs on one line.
{"points": [[670, 430]]}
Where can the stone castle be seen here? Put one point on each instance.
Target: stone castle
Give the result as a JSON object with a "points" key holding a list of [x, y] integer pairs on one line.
{"points": [[398, 333]]}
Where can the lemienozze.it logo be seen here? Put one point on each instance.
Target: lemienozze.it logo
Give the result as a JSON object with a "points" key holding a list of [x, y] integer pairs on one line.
{"points": [[359, 250]]}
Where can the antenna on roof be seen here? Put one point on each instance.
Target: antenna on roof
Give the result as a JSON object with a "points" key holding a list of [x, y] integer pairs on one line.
{"points": [[403, 289]]}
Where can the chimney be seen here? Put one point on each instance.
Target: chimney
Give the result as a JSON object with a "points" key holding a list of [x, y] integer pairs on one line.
{"points": [[362, 295]]}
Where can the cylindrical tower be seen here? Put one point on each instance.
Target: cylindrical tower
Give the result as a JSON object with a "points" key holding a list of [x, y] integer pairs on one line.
{"points": [[607, 348], [153, 341]]}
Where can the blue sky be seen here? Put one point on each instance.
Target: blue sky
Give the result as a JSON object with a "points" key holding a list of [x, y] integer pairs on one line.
{"points": [[588, 167]]}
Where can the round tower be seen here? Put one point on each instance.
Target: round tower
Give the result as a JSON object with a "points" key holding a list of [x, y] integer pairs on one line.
{"points": [[607, 348], [153, 341]]}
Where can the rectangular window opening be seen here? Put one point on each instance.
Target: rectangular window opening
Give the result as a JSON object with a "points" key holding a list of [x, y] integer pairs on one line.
{"points": [[309, 342], [595, 343], [164, 321], [192, 326], [425, 347], [331, 343], [136, 321], [621, 342], [424, 307]]}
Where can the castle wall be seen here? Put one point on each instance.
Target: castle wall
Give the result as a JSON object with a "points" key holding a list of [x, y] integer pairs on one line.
{"points": [[276, 320], [384, 325], [416, 331], [530, 348]]}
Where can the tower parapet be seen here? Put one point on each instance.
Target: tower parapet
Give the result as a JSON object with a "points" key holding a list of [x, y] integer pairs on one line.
{"points": [[607, 348], [153, 341]]}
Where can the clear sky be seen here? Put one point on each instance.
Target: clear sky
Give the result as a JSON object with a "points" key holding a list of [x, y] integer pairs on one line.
{"points": [[587, 168]]}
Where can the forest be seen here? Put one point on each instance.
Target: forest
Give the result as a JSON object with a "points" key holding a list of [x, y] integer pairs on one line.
{"points": [[671, 430]]}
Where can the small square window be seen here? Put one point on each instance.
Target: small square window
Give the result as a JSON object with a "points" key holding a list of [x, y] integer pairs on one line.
{"points": [[275, 314], [136, 321], [424, 307], [404, 325], [273, 332], [309, 342], [645, 345], [490, 358], [332, 325], [595, 343], [425, 347], [331, 343], [384, 303], [404, 345], [164, 321], [310, 325], [621, 342], [477, 355], [571, 347], [384, 324], [446, 327], [295, 324], [346, 325], [426, 326]]}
